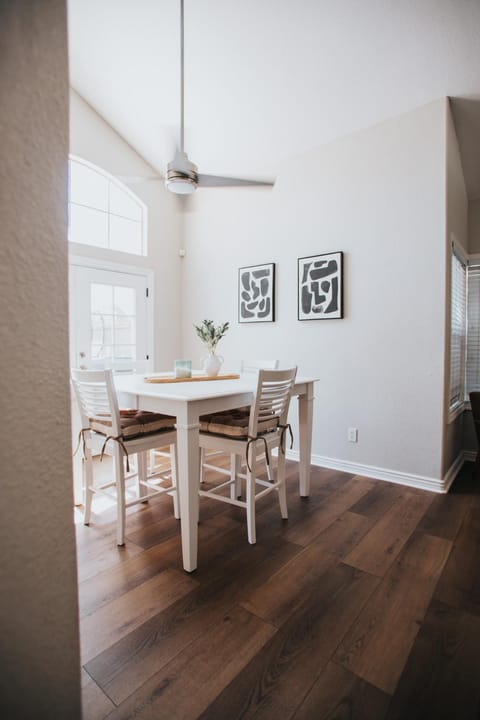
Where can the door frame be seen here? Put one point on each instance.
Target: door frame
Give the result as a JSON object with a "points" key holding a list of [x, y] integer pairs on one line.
{"points": [[87, 261]]}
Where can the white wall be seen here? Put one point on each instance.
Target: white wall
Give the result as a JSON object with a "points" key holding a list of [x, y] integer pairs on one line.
{"points": [[40, 676], [95, 140], [379, 196], [456, 230], [474, 226]]}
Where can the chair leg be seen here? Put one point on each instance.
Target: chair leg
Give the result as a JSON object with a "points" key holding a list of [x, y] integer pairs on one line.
{"points": [[282, 488], [142, 474], [236, 486], [202, 462], [252, 534], [120, 485], [152, 461], [173, 470], [87, 471]]}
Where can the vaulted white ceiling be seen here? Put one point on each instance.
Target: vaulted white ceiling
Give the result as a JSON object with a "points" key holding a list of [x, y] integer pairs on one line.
{"points": [[266, 79]]}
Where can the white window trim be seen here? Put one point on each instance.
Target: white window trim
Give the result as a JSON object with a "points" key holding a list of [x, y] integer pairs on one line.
{"points": [[147, 273], [456, 410]]}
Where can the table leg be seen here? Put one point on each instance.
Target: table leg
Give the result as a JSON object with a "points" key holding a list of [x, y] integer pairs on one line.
{"points": [[305, 417], [188, 473]]}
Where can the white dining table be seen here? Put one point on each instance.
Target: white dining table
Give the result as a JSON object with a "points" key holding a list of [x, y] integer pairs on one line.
{"points": [[188, 401]]}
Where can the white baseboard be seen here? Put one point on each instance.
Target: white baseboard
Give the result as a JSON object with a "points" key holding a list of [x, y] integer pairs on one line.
{"points": [[394, 476]]}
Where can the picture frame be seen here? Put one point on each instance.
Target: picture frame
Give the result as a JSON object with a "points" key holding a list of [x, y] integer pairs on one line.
{"points": [[320, 287], [256, 293]]}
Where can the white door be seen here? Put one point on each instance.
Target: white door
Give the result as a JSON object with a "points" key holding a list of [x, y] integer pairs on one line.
{"points": [[109, 320]]}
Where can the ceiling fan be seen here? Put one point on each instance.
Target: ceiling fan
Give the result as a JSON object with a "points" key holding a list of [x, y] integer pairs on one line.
{"points": [[182, 175]]}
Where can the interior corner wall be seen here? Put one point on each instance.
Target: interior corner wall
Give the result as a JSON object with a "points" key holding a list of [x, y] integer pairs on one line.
{"points": [[456, 230], [378, 196], [93, 139], [474, 227], [39, 644]]}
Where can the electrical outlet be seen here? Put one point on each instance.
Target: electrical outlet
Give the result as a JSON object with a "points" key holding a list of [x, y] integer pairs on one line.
{"points": [[352, 435]]}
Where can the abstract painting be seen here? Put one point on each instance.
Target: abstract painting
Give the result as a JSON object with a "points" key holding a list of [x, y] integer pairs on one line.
{"points": [[256, 293], [320, 287]]}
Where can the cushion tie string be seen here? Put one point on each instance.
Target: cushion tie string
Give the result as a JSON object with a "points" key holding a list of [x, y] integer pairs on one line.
{"points": [[267, 457], [119, 440], [81, 439], [284, 428]]}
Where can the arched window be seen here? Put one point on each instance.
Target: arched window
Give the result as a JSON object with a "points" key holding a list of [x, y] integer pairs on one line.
{"points": [[103, 212]]}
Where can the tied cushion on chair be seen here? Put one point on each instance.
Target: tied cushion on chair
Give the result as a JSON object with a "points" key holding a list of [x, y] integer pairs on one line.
{"points": [[234, 423], [134, 423]]}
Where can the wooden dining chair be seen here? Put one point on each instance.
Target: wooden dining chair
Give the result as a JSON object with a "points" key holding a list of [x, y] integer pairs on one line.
{"points": [[121, 433], [247, 366], [253, 433]]}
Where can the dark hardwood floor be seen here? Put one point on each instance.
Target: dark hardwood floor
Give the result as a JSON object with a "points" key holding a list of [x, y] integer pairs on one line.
{"points": [[365, 604]]}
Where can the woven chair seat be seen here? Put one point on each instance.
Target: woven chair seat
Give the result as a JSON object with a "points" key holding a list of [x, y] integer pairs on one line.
{"points": [[134, 423], [234, 423]]}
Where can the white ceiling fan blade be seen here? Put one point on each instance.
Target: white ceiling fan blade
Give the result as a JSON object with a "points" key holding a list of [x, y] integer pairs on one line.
{"points": [[220, 181], [138, 179]]}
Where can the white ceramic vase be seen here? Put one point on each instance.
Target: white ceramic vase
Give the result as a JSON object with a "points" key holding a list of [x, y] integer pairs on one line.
{"points": [[212, 364]]}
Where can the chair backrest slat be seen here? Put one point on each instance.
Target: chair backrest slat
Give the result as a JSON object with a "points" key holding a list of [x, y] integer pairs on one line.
{"points": [[96, 397], [272, 397], [256, 365]]}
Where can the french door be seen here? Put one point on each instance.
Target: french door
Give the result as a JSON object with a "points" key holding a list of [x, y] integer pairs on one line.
{"points": [[109, 319]]}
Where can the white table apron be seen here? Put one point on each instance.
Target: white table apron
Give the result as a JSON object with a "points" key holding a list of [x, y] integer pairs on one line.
{"points": [[187, 401]]}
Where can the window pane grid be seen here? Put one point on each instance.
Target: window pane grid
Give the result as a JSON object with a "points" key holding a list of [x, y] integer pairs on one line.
{"points": [[113, 324], [473, 331], [103, 213], [457, 330]]}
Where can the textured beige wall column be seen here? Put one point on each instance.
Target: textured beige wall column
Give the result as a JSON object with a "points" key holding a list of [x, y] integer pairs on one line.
{"points": [[39, 646]]}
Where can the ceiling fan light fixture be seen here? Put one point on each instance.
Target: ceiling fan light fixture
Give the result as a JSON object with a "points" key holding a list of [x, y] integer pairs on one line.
{"points": [[181, 186]]}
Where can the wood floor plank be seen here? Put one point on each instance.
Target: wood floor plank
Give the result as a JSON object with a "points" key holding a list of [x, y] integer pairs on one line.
{"points": [[318, 609], [96, 591], [377, 646], [378, 500], [442, 677], [445, 515], [189, 683], [126, 665], [459, 585], [376, 552], [276, 599], [118, 618], [281, 674], [338, 502], [340, 694], [103, 554], [95, 704]]}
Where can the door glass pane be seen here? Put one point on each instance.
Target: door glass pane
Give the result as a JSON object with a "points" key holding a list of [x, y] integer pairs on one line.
{"points": [[124, 352], [102, 329], [124, 330], [124, 300], [101, 352], [102, 298]]}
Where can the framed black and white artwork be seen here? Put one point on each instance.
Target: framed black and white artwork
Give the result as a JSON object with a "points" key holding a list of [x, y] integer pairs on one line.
{"points": [[256, 293], [320, 287]]}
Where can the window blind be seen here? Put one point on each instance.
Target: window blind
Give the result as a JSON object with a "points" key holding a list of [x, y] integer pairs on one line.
{"points": [[457, 330], [473, 330]]}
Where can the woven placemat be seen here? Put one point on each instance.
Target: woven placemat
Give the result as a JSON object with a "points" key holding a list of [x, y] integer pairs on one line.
{"points": [[195, 378]]}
